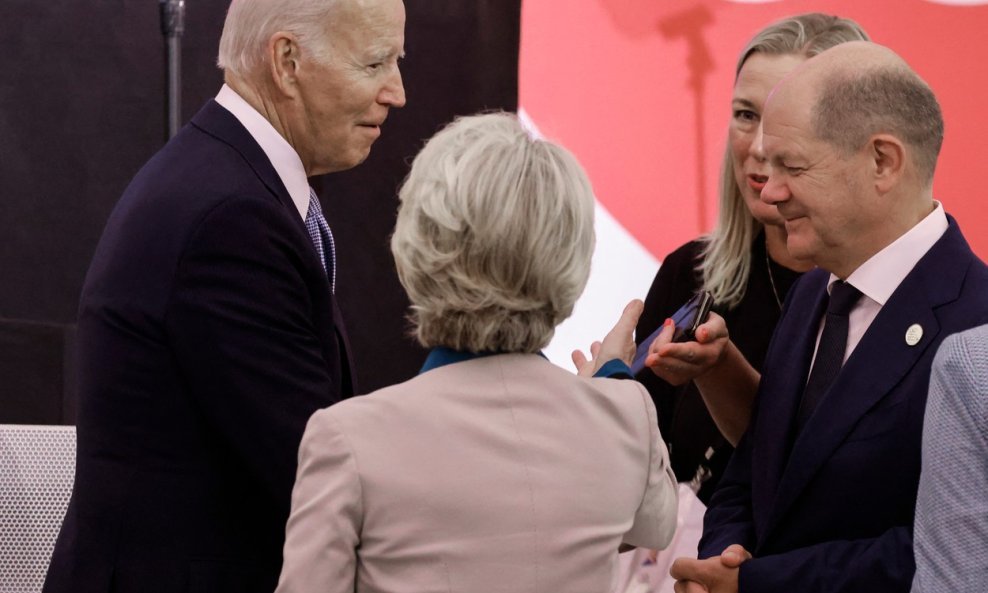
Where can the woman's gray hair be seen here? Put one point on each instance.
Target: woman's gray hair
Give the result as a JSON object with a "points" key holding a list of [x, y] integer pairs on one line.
{"points": [[250, 24], [726, 262], [494, 236]]}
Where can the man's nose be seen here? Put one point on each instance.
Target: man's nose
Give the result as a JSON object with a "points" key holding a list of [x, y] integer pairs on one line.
{"points": [[775, 190], [393, 93]]}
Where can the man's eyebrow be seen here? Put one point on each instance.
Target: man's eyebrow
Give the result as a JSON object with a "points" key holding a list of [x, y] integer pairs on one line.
{"points": [[742, 102]]}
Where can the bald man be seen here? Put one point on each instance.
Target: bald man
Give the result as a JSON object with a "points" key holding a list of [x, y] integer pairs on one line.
{"points": [[821, 491]]}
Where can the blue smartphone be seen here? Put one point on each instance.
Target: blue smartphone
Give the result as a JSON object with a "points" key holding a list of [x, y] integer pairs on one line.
{"points": [[687, 318]]}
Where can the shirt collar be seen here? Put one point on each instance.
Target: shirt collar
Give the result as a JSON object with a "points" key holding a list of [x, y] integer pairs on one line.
{"points": [[442, 356], [283, 157], [878, 277]]}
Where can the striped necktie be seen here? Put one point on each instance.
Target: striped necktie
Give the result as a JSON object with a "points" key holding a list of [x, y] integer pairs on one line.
{"points": [[319, 231]]}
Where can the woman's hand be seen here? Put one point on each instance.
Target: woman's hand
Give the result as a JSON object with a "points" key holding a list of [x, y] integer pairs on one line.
{"points": [[679, 362], [726, 381], [619, 343]]}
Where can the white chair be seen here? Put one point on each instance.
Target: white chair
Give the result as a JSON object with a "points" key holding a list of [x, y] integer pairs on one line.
{"points": [[37, 469]]}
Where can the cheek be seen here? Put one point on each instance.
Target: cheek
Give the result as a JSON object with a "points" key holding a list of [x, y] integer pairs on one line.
{"points": [[740, 142]]}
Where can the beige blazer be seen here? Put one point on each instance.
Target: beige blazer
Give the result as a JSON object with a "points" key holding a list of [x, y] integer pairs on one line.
{"points": [[502, 473]]}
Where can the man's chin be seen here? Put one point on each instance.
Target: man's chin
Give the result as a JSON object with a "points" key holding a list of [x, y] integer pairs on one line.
{"points": [[799, 248], [342, 164]]}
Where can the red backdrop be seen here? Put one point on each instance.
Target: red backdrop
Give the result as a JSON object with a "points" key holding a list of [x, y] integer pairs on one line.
{"points": [[640, 91]]}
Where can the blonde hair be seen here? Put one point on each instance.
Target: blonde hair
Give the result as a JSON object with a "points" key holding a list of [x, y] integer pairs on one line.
{"points": [[726, 255], [494, 236], [251, 23]]}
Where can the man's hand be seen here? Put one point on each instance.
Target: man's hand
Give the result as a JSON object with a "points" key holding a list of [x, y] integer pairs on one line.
{"points": [[717, 574], [734, 556], [618, 343], [680, 362]]}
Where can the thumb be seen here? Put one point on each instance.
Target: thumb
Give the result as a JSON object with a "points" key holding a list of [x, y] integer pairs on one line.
{"points": [[734, 556], [629, 317]]}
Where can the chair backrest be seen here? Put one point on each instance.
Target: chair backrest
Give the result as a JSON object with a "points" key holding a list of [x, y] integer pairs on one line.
{"points": [[37, 469]]}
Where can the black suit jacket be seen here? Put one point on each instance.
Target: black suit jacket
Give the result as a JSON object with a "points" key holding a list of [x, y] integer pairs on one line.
{"points": [[831, 509], [208, 335]]}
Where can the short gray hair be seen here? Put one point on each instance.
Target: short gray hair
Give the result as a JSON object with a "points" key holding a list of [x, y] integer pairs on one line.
{"points": [[494, 236], [852, 107], [251, 23]]}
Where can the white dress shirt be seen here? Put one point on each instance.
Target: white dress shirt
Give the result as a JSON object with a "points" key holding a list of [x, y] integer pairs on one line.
{"points": [[880, 275], [283, 157]]}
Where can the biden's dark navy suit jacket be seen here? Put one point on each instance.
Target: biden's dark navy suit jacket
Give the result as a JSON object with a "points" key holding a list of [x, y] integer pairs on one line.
{"points": [[208, 335], [832, 508]]}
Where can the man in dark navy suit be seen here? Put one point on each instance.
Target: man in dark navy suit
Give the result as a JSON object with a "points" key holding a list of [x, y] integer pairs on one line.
{"points": [[208, 330], [821, 491]]}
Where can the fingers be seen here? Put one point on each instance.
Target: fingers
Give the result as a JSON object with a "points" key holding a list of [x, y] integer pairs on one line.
{"points": [[684, 569], [664, 337], [734, 555], [584, 367], [712, 329], [688, 587], [629, 318], [579, 358], [595, 349]]}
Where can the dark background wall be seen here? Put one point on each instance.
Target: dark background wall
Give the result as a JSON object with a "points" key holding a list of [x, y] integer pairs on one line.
{"points": [[81, 109]]}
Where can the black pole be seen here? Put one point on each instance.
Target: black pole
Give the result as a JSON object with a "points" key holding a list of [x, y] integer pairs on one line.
{"points": [[172, 26]]}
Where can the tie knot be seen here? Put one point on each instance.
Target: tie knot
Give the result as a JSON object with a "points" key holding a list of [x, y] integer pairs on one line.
{"points": [[843, 297]]}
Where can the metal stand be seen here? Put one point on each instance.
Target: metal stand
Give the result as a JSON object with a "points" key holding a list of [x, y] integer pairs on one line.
{"points": [[172, 26]]}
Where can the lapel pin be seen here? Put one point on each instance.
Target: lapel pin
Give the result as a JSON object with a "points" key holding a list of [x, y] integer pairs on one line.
{"points": [[914, 334]]}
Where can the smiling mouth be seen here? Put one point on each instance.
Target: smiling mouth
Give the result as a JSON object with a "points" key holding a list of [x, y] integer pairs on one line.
{"points": [[373, 129]]}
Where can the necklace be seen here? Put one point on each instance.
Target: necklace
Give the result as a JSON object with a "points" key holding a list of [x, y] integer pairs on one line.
{"points": [[771, 279]]}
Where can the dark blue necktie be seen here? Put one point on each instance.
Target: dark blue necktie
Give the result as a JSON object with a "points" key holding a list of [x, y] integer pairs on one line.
{"points": [[319, 231], [830, 352]]}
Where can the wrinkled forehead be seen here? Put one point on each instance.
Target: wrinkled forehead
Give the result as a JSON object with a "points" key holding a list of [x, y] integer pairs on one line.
{"points": [[363, 13]]}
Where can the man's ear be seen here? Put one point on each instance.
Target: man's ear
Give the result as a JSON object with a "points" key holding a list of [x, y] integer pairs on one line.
{"points": [[888, 155], [284, 54]]}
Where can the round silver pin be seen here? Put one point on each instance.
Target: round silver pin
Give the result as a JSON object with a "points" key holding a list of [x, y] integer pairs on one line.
{"points": [[914, 334]]}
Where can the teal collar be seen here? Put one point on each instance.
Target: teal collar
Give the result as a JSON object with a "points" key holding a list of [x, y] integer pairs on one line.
{"points": [[442, 356]]}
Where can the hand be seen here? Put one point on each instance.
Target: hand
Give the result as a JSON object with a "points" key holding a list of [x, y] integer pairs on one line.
{"points": [[679, 362], [688, 587], [717, 574], [618, 343], [734, 556]]}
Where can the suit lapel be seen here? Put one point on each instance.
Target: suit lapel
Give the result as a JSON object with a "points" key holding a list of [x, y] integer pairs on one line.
{"points": [[219, 123], [349, 375], [879, 362], [784, 386], [215, 120]]}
